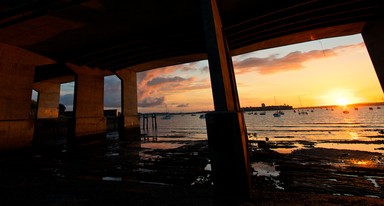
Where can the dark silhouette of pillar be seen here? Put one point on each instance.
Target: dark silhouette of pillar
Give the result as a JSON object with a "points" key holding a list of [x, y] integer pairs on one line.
{"points": [[373, 35], [227, 135]]}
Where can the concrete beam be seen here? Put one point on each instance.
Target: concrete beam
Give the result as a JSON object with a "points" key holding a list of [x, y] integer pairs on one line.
{"points": [[373, 35], [16, 80], [227, 134], [88, 101], [48, 101], [304, 36], [130, 122]]}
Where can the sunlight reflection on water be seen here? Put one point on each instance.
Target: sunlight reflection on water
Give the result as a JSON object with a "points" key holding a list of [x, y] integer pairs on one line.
{"points": [[324, 128]]}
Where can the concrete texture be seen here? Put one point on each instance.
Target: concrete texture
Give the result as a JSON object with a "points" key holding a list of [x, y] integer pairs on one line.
{"points": [[129, 119], [115, 35], [48, 99], [16, 80], [89, 101]]}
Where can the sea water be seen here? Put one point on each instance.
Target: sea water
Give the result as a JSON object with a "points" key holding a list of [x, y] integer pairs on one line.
{"points": [[360, 129]]}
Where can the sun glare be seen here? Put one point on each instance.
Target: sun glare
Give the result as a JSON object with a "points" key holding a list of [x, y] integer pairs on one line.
{"points": [[340, 97], [342, 102]]}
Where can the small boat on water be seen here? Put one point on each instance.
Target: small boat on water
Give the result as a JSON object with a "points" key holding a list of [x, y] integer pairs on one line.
{"points": [[277, 114], [262, 113], [303, 113], [166, 116], [202, 116]]}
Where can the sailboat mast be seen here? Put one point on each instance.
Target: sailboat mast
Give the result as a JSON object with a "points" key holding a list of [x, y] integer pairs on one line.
{"points": [[300, 102]]}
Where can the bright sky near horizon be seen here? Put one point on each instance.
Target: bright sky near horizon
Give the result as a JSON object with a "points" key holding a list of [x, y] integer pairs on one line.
{"points": [[321, 72]]}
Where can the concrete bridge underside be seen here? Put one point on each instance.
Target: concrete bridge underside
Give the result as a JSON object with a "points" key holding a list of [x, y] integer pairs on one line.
{"points": [[46, 43]]}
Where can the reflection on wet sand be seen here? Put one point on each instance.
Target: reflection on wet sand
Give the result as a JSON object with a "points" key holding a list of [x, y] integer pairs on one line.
{"points": [[180, 161]]}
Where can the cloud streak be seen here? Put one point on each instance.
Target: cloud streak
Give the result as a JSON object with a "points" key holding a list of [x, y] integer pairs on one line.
{"points": [[151, 102], [154, 85], [165, 80], [183, 105], [292, 61]]}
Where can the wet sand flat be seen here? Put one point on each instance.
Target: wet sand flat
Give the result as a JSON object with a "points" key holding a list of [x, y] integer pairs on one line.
{"points": [[119, 173]]}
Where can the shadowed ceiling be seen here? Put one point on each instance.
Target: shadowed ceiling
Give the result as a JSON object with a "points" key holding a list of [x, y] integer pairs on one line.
{"points": [[146, 34]]}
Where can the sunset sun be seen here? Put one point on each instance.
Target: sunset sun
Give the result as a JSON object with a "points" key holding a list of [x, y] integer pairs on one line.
{"points": [[341, 97], [342, 101]]}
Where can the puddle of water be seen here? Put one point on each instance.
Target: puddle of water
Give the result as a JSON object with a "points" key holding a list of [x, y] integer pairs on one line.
{"points": [[373, 182], [154, 183], [263, 169], [359, 147], [268, 171], [372, 196], [201, 180], [118, 179], [289, 150], [112, 154], [143, 170], [208, 167], [161, 145]]}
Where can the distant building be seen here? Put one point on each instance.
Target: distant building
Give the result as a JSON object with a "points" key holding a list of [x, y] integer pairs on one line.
{"points": [[265, 108]]}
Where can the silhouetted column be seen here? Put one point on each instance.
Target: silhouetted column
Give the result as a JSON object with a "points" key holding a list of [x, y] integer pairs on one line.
{"points": [[129, 126], [373, 34], [88, 101], [48, 101], [227, 135], [16, 80]]}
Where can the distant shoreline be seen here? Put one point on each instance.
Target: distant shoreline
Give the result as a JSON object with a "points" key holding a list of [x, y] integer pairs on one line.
{"points": [[276, 107]]}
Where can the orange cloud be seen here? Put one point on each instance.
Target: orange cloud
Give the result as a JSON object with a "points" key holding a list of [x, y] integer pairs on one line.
{"points": [[292, 61], [154, 84]]}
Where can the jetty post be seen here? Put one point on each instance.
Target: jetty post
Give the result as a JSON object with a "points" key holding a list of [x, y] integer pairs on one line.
{"points": [[227, 134]]}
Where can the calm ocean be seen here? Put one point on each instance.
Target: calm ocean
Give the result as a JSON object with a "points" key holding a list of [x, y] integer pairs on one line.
{"points": [[327, 128]]}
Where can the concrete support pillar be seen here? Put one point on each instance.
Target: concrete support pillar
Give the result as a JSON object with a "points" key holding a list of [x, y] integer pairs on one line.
{"points": [[16, 126], [88, 102], [48, 101], [16, 80], [129, 126], [227, 135], [373, 35]]}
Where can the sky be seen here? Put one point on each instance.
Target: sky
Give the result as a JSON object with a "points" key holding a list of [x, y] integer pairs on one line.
{"points": [[331, 71]]}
